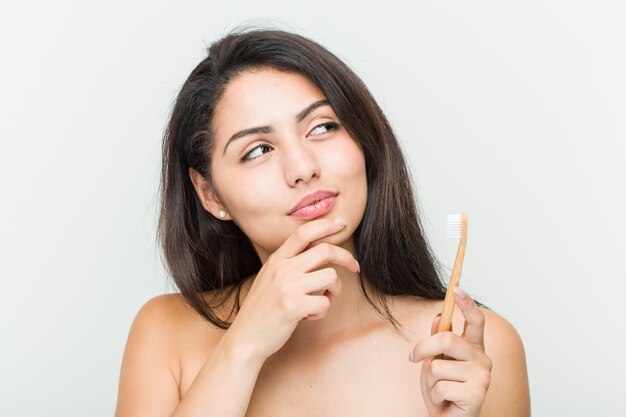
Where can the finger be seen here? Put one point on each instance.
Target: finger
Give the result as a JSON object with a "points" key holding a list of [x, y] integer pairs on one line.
{"points": [[447, 343], [315, 307], [448, 391], [474, 328], [307, 233], [450, 370], [318, 282], [325, 254]]}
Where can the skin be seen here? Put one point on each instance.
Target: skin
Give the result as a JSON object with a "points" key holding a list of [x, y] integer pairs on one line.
{"points": [[305, 342]]}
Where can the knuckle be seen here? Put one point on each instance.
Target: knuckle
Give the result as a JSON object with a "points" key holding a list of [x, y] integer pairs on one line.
{"points": [[448, 340], [486, 379], [336, 285], [325, 249], [344, 252], [439, 391], [484, 374], [332, 275], [479, 393], [323, 307], [435, 367], [480, 317]]}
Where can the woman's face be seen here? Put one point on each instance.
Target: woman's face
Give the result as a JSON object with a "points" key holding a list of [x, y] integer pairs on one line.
{"points": [[276, 142]]}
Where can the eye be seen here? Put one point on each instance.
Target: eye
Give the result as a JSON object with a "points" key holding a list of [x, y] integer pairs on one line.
{"points": [[256, 152], [325, 128]]}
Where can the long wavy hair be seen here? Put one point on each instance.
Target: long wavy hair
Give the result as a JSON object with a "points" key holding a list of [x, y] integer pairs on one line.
{"points": [[204, 254]]}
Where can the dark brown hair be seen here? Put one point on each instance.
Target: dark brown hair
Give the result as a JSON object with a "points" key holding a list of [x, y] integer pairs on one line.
{"points": [[203, 253]]}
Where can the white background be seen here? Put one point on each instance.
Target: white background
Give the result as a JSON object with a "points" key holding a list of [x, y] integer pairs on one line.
{"points": [[511, 111]]}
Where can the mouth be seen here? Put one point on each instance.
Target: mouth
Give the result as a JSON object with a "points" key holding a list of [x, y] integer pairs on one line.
{"points": [[314, 205]]}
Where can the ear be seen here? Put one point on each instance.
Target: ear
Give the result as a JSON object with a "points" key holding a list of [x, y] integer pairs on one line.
{"points": [[209, 200]]}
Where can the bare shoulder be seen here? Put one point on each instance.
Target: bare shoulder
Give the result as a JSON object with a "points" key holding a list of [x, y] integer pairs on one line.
{"points": [[417, 313], [164, 319], [168, 324], [171, 314], [157, 319], [501, 337], [163, 309], [509, 391], [148, 366], [163, 329]]}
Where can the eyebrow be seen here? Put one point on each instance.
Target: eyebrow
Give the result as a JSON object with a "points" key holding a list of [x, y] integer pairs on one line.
{"points": [[268, 129]]}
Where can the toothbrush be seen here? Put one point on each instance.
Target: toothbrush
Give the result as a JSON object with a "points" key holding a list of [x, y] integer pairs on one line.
{"points": [[457, 228]]}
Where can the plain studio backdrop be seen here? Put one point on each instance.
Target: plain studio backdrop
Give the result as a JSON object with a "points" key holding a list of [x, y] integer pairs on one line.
{"points": [[512, 111]]}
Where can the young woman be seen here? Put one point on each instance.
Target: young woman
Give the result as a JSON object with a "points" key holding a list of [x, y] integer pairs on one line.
{"points": [[307, 288]]}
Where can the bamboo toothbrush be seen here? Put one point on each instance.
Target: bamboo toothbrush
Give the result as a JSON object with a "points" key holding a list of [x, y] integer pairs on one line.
{"points": [[457, 228]]}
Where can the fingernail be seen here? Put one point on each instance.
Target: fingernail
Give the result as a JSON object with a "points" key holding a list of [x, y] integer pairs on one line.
{"points": [[462, 294], [358, 267], [340, 222], [411, 356]]}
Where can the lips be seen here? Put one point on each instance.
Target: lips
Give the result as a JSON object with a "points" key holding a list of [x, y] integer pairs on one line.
{"points": [[314, 204]]}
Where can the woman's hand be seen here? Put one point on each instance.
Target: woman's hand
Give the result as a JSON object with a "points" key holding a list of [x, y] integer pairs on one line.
{"points": [[456, 385], [291, 287]]}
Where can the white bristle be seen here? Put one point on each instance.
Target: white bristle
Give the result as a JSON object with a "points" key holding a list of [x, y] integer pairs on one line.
{"points": [[454, 226]]}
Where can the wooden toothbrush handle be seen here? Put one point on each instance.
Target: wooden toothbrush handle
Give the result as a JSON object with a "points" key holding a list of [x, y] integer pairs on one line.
{"points": [[445, 322]]}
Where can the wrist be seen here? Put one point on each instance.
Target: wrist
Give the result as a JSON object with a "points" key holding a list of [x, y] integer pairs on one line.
{"points": [[241, 353]]}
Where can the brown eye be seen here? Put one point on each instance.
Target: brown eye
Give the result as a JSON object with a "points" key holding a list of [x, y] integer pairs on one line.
{"points": [[325, 128], [256, 152]]}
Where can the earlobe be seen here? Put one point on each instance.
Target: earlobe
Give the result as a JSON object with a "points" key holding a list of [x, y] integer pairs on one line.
{"points": [[208, 198]]}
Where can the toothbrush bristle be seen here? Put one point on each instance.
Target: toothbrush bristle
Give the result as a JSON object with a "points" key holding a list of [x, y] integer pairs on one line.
{"points": [[454, 226]]}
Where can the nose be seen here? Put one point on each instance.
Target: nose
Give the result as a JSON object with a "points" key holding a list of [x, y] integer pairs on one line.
{"points": [[300, 164]]}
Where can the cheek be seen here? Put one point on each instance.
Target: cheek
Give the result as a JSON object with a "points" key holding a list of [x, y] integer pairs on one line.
{"points": [[256, 211], [248, 198], [350, 160], [248, 195], [348, 166]]}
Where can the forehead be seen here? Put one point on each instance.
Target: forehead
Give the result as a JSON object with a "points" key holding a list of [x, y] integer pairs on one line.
{"points": [[262, 97]]}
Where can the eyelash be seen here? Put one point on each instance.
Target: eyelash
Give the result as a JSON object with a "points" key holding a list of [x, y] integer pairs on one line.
{"points": [[334, 126]]}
